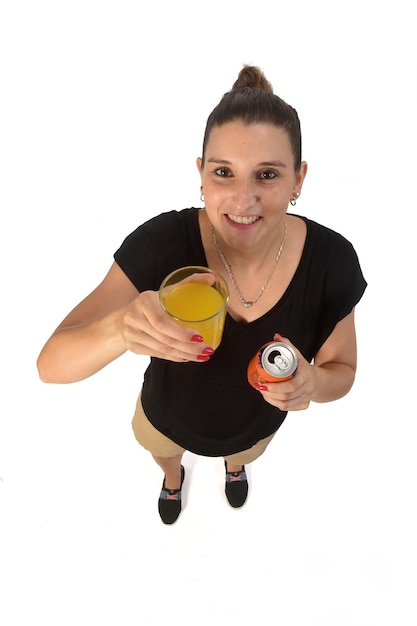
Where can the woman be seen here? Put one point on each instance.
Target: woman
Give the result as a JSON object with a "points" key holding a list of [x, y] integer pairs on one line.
{"points": [[289, 279]]}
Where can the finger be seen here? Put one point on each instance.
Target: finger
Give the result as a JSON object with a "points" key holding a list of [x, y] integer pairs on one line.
{"points": [[207, 277], [177, 336], [281, 339], [147, 330], [141, 343], [297, 403], [150, 341]]}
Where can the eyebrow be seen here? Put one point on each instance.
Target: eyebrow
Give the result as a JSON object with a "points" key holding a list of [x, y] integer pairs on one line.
{"points": [[262, 164], [273, 163]]}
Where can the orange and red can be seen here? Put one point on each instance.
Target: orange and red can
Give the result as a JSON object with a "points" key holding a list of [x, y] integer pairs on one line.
{"points": [[274, 362]]}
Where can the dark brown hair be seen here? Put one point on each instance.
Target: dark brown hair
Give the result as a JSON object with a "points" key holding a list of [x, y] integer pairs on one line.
{"points": [[252, 100]]}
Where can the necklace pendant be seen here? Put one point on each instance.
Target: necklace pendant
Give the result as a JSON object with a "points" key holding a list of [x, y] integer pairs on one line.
{"points": [[247, 304]]}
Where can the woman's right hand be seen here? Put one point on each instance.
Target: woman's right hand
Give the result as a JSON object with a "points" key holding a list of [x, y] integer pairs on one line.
{"points": [[148, 330]]}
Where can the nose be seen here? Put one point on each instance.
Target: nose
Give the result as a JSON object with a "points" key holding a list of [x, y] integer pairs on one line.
{"points": [[245, 195]]}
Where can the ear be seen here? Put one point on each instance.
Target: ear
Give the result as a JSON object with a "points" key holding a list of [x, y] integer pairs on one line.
{"points": [[301, 174], [200, 165]]}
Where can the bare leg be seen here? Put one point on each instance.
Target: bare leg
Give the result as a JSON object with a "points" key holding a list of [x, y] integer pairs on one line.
{"points": [[231, 467], [172, 469]]}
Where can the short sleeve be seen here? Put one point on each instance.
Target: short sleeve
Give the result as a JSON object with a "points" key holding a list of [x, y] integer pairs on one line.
{"points": [[160, 245], [345, 281]]}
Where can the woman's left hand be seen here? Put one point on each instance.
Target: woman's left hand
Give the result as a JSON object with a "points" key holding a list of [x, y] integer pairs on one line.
{"points": [[294, 394]]}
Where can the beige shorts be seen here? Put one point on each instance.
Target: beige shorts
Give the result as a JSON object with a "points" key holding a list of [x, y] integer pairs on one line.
{"points": [[159, 445]]}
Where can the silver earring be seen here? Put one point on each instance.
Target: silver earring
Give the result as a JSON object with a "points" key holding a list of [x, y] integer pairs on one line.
{"points": [[293, 200], [202, 197]]}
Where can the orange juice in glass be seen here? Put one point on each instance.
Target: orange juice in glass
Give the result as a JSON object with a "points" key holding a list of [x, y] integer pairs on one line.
{"points": [[197, 298]]}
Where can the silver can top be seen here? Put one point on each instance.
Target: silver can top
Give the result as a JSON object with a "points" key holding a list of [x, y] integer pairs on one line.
{"points": [[279, 360]]}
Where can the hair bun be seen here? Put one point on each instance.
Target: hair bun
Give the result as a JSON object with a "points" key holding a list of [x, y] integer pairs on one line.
{"points": [[251, 77]]}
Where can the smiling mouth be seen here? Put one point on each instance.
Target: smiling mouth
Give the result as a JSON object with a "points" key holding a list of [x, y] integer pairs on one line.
{"points": [[240, 219]]}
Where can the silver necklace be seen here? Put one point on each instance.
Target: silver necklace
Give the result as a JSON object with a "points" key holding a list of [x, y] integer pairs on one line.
{"points": [[248, 303]]}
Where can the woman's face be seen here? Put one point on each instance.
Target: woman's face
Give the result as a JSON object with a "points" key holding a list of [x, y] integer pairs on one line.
{"points": [[248, 179]]}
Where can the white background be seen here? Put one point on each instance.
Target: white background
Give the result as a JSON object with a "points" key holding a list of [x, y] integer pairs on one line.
{"points": [[102, 112]]}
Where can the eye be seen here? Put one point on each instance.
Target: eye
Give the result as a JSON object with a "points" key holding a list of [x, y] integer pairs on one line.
{"points": [[268, 175], [223, 172]]}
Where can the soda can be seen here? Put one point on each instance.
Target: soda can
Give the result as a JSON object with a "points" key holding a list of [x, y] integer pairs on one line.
{"points": [[274, 362]]}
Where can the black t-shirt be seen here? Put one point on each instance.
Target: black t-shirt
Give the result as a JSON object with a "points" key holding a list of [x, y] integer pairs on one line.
{"points": [[210, 408]]}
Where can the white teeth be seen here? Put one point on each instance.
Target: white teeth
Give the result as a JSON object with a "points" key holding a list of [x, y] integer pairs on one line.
{"points": [[239, 219]]}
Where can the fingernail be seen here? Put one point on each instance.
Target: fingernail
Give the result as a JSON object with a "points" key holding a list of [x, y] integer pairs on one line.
{"points": [[203, 357], [197, 338], [261, 387], [208, 351]]}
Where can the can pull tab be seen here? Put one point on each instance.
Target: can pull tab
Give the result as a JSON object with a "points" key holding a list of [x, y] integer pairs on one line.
{"points": [[277, 358]]}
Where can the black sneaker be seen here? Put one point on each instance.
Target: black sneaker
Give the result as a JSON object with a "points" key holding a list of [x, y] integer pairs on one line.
{"points": [[236, 487], [169, 503]]}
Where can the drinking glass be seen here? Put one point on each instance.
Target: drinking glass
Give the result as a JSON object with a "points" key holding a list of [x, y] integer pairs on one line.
{"points": [[197, 298]]}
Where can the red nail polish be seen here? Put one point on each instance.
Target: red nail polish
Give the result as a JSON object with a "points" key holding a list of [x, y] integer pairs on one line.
{"points": [[203, 357], [197, 338], [261, 387], [208, 351]]}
